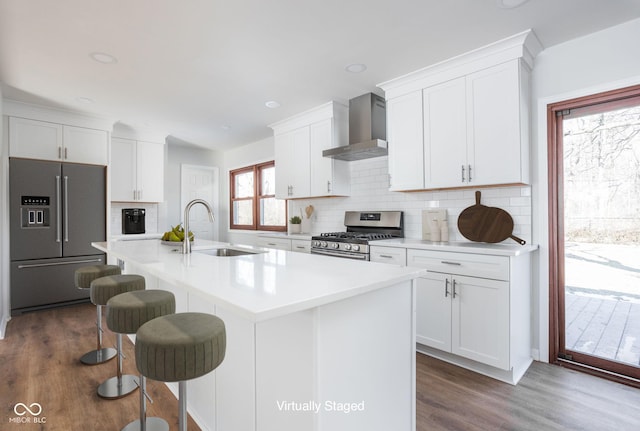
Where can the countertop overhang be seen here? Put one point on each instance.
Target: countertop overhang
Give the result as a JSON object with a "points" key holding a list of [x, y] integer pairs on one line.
{"points": [[261, 286], [500, 249]]}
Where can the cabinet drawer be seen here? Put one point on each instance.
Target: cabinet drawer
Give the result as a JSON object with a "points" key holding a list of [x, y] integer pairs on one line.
{"points": [[473, 265], [278, 243], [301, 245], [393, 255]]}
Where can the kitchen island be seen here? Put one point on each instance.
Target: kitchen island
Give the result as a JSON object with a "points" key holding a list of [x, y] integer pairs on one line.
{"points": [[313, 342]]}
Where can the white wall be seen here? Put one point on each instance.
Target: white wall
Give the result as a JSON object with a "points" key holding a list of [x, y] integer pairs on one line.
{"points": [[598, 62]]}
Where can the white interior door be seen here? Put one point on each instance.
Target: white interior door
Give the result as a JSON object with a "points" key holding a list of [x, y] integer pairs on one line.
{"points": [[200, 182]]}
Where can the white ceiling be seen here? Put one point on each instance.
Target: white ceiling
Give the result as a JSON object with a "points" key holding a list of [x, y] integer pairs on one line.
{"points": [[202, 70]]}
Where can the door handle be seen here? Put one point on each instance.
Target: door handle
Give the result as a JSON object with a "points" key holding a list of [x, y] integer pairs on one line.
{"points": [[462, 173], [58, 209], [66, 208], [454, 289], [446, 287], [469, 174]]}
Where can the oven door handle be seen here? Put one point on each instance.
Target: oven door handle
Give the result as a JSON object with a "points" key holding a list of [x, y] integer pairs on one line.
{"points": [[360, 256]]}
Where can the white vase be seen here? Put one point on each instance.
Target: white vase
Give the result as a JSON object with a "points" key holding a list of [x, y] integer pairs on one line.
{"points": [[294, 228]]}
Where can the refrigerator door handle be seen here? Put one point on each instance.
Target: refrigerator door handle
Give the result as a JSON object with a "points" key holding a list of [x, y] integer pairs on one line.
{"points": [[66, 208], [58, 209], [75, 262]]}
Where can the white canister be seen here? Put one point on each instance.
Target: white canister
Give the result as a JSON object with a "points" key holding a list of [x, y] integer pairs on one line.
{"points": [[444, 231], [434, 230]]}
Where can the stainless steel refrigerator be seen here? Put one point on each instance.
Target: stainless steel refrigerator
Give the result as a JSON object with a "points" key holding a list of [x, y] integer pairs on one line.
{"points": [[57, 210]]}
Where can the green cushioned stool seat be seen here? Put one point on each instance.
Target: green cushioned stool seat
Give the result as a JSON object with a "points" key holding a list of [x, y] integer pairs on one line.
{"points": [[125, 314], [179, 347], [104, 288], [85, 275], [128, 311], [83, 278]]}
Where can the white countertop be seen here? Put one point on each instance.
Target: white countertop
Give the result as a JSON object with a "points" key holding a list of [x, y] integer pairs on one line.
{"points": [[136, 236], [459, 247], [261, 286]]}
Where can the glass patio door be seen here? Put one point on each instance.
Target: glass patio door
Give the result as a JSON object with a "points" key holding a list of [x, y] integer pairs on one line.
{"points": [[598, 234]]}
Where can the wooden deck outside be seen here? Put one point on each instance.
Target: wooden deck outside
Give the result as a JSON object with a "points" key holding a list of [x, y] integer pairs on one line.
{"points": [[603, 326]]}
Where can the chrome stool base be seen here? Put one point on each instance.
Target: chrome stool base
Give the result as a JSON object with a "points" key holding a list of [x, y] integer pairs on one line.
{"points": [[96, 357], [152, 424], [114, 388]]}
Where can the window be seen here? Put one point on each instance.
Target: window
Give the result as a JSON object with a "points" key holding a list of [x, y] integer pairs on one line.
{"points": [[253, 202]]}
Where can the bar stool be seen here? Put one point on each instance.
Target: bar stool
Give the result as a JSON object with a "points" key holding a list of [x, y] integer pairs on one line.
{"points": [[194, 342], [125, 314], [83, 278], [102, 290]]}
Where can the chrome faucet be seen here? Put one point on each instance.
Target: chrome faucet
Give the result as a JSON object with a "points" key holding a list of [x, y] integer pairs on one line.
{"points": [[186, 243]]}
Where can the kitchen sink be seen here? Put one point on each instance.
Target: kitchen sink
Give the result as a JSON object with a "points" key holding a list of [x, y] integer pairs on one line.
{"points": [[227, 252]]}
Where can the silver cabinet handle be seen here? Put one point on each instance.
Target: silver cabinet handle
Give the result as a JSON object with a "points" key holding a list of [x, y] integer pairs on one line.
{"points": [[328, 186], [134, 195], [446, 287], [386, 256], [66, 208], [454, 288], [446, 262], [58, 209], [59, 152], [65, 153], [462, 173], [469, 166]]}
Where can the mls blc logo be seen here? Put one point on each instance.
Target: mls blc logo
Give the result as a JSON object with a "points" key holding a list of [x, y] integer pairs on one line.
{"points": [[34, 410]]}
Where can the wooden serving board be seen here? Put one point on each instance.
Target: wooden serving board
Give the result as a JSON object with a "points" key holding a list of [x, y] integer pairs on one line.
{"points": [[486, 224]]}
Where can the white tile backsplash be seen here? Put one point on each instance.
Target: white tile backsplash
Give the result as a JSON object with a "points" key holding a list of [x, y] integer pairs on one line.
{"points": [[369, 191]]}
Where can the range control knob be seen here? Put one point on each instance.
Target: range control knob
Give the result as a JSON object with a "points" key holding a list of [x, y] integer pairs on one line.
{"points": [[355, 247], [323, 244], [347, 246], [335, 245], [316, 243]]}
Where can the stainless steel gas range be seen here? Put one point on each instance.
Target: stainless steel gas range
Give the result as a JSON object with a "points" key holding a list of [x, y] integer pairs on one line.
{"points": [[362, 229]]}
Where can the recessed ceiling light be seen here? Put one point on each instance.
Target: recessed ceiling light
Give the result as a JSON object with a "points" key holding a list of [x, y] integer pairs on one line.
{"points": [[104, 58], [510, 4], [225, 127], [85, 100], [356, 68], [272, 104]]}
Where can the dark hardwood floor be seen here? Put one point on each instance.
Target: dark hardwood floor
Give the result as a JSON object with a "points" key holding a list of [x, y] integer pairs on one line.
{"points": [[548, 398], [39, 363]]}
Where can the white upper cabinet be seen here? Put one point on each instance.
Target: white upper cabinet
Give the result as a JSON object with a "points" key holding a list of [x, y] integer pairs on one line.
{"points": [[406, 143], [498, 125], [445, 134], [137, 171], [292, 164], [463, 122], [34, 139], [301, 171]]}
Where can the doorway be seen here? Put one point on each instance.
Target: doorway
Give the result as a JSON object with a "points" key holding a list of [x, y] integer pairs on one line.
{"points": [[594, 192]]}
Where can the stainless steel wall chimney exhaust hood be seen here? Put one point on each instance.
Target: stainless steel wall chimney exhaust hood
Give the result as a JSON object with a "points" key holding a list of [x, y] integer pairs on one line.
{"points": [[367, 130]]}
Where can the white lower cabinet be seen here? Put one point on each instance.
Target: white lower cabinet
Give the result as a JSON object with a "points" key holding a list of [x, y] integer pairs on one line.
{"points": [[287, 244], [478, 322], [466, 316], [301, 245], [393, 255]]}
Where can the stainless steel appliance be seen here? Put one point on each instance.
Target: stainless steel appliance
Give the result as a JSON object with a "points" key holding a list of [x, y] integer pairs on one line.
{"points": [[56, 211], [133, 220], [367, 130], [362, 229]]}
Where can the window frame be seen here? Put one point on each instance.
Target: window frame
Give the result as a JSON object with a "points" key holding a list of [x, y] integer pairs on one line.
{"points": [[255, 198]]}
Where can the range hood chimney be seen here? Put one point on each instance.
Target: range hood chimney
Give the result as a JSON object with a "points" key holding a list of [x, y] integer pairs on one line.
{"points": [[367, 130]]}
